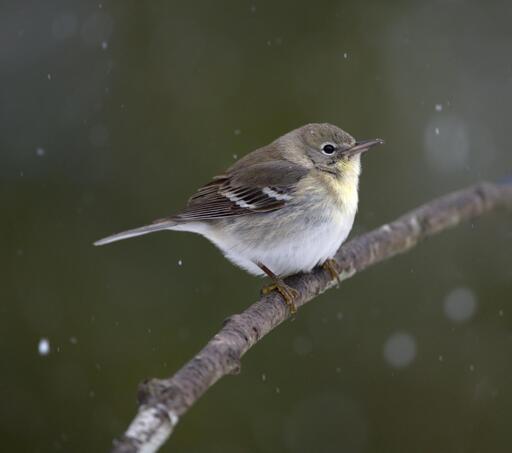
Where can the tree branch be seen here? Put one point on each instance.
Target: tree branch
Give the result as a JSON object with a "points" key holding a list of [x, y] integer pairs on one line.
{"points": [[162, 402]]}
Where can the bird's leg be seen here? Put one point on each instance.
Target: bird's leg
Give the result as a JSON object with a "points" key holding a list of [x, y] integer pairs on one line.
{"points": [[330, 266], [288, 293]]}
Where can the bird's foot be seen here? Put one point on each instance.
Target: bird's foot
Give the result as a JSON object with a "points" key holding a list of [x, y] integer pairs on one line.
{"points": [[330, 266], [289, 294]]}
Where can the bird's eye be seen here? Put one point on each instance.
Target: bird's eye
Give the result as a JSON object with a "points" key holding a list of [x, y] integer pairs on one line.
{"points": [[328, 148]]}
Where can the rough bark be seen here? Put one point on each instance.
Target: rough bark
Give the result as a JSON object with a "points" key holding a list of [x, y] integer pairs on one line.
{"points": [[163, 401]]}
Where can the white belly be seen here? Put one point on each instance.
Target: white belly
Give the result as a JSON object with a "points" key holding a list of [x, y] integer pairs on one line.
{"points": [[285, 245], [298, 253]]}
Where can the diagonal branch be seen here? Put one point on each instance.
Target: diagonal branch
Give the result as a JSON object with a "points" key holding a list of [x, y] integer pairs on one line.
{"points": [[163, 401]]}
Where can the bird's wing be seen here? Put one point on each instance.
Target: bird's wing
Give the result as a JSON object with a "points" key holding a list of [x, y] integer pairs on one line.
{"points": [[261, 187]]}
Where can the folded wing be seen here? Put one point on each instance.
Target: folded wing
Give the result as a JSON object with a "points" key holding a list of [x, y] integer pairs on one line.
{"points": [[261, 187]]}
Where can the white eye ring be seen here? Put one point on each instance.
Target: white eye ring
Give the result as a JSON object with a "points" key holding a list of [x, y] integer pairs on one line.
{"points": [[328, 148]]}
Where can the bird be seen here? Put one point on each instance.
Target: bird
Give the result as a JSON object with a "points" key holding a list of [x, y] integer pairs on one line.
{"points": [[281, 209]]}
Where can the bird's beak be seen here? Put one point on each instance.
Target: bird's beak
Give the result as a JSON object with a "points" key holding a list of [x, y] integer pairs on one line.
{"points": [[362, 146]]}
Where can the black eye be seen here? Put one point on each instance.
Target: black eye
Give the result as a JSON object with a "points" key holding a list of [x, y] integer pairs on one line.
{"points": [[328, 149]]}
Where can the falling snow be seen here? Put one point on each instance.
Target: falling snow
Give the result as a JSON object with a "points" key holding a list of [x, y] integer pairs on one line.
{"points": [[43, 347], [400, 350], [449, 151], [460, 305]]}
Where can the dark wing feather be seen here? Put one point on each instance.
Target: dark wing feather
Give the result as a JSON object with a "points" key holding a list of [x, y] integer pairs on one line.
{"points": [[261, 187]]}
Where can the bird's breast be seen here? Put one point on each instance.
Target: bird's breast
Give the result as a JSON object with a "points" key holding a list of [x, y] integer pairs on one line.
{"points": [[337, 195]]}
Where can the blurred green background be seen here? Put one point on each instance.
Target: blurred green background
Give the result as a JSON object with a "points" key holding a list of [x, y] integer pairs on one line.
{"points": [[112, 113]]}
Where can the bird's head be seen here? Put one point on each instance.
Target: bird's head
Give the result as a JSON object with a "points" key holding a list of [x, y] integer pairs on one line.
{"points": [[331, 149]]}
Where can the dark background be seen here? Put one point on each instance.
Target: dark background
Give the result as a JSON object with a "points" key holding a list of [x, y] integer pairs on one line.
{"points": [[112, 113]]}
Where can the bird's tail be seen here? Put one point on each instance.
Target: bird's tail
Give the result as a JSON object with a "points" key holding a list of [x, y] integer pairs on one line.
{"points": [[159, 225]]}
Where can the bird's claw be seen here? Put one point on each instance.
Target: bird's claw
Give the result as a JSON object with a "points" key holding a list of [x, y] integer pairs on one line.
{"points": [[330, 266], [289, 294]]}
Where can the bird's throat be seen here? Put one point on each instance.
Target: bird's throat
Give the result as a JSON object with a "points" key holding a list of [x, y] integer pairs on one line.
{"points": [[343, 185]]}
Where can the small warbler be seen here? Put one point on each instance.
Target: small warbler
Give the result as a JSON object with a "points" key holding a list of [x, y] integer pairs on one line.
{"points": [[281, 209]]}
